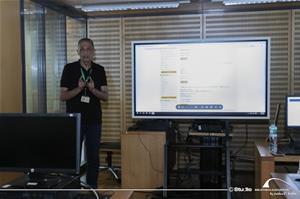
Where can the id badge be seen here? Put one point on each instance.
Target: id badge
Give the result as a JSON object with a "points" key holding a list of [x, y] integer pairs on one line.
{"points": [[85, 99]]}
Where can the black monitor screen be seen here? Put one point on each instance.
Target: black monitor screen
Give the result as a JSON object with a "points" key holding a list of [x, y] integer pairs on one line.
{"points": [[293, 111], [40, 142]]}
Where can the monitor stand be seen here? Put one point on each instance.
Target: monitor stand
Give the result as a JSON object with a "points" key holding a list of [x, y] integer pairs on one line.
{"points": [[289, 149], [294, 136], [296, 143], [41, 186], [39, 181], [292, 148]]}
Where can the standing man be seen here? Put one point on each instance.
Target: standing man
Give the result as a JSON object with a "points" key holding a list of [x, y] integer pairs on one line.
{"points": [[83, 84]]}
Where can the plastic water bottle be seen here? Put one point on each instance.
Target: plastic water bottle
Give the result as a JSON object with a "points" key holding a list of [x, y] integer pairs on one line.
{"points": [[273, 139]]}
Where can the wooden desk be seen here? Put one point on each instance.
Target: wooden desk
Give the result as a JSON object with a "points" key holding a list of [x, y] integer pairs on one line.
{"points": [[9, 176], [265, 165], [142, 159], [293, 193]]}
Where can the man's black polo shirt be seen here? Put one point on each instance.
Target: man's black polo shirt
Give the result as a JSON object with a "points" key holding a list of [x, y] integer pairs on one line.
{"points": [[90, 112]]}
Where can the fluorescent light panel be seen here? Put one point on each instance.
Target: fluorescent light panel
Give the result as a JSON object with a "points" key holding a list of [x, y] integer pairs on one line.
{"points": [[130, 6], [241, 2]]}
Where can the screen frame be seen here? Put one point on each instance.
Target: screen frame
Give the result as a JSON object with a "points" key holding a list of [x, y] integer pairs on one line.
{"points": [[289, 127], [44, 170], [207, 115]]}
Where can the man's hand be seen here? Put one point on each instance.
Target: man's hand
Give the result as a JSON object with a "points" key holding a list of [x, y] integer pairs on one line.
{"points": [[91, 84], [81, 83]]}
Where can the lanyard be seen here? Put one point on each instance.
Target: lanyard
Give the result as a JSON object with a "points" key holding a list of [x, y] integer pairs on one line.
{"points": [[85, 79]]}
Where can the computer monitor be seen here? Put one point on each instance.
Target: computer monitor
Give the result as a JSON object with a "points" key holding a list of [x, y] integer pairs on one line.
{"points": [[293, 119], [293, 112], [40, 143]]}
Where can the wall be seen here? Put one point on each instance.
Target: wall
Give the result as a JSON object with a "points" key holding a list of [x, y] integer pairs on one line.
{"points": [[10, 57], [113, 36], [10, 63]]}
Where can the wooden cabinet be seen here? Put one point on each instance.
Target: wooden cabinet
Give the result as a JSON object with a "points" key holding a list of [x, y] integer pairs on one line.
{"points": [[142, 159]]}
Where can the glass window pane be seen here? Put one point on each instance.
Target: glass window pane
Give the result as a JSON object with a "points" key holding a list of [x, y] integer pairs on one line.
{"points": [[34, 56], [55, 29], [50, 40]]}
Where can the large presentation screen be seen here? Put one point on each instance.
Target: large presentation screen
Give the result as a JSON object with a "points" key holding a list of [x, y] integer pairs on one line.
{"points": [[208, 79]]}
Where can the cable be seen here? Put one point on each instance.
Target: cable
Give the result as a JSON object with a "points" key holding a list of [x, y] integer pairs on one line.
{"points": [[188, 157], [81, 182], [245, 143], [180, 137], [245, 158], [149, 153], [90, 188]]}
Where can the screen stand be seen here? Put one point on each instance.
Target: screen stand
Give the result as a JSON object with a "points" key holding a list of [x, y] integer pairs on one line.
{"points": [[150, 125], [295, 142]]}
